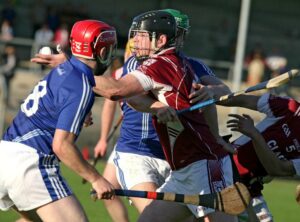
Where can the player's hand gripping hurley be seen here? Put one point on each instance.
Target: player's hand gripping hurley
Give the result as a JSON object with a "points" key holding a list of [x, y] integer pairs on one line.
{"points": [[231, 200], [269, 84]]}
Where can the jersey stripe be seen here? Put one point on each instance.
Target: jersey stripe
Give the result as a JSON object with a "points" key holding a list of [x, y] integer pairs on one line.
{"points": [[31, 134], [121, 174], [82, 106], [83, 111]]}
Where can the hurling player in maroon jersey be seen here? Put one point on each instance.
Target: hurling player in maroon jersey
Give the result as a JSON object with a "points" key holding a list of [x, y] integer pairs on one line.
{"points": [[187, 143]]}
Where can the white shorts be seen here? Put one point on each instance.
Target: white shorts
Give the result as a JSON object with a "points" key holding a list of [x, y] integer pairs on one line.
{"points": [[260, 208], [29, 179], [201, 177], [133, 169], [111, 157]]}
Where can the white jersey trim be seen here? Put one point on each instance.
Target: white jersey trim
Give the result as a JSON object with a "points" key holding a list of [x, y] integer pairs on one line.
{"points": [[296, 163], [31, 134], [148, 83]]}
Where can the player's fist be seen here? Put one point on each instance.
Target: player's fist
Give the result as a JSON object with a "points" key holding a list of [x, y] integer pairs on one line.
{"points": [[298, 194]]}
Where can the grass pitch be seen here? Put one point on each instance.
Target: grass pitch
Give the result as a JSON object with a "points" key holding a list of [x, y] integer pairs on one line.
{"points": [[280, 195]]}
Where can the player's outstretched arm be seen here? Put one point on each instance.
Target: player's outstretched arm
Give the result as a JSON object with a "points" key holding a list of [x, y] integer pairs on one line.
{"points": [[145, 104], [51, 60], [245, 101], [66, 151], [113, 89], [273, 165]]}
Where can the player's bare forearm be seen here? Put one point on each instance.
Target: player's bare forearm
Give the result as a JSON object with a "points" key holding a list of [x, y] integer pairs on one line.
{"points": [[67, 152], [107, 116], [145, 103], [52, 60], [245, 101], [113, 89], [211, 117], [272, 164], [218, 87]]}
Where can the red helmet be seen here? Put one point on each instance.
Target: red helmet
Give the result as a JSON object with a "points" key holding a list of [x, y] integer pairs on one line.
{"points": [[88, 37]]}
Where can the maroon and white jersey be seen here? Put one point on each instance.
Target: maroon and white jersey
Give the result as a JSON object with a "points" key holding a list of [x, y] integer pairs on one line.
{"points": [[169, 77], [280, 129]]}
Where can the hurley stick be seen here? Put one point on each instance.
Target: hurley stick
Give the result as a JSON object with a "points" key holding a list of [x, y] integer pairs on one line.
{"points": [[269, 84], [95, 160], [231, 200]]}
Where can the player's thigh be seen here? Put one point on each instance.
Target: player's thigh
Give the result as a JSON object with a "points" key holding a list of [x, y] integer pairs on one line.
{"points": [[163, 211], [66, 209], [109, 174], [141, 203], [27, 216]]}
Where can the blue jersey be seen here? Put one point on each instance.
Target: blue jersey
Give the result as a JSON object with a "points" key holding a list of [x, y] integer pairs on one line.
{"points": [[59, 101], [137, 133]]}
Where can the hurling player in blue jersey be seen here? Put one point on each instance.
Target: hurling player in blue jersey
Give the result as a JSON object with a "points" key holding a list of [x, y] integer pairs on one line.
{"points": [[45, 130]]}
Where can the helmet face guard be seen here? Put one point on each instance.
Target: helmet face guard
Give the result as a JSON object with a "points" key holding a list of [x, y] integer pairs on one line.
{"points": [[95, 40], [107, 39], [152, 24], [145, 46]]}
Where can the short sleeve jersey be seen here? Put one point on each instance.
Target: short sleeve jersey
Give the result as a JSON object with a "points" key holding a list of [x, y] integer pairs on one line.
{"points": [[169, 77], [59, 101], [281, 131]]}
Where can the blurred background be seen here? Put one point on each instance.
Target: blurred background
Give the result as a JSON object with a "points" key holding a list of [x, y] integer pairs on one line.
{"points": [[243, 41], [272, 25]]}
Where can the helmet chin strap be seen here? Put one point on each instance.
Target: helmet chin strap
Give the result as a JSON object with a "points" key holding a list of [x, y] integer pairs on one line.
{"points": [[153, 43], [156, 49]]}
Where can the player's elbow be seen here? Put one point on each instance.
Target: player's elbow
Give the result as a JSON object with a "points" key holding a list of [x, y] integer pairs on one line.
{"points": [[115, 95], [57, 148], [112, 94]]}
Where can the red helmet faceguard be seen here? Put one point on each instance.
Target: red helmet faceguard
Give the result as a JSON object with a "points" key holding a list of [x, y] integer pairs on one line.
{"points": [[88, 37]]}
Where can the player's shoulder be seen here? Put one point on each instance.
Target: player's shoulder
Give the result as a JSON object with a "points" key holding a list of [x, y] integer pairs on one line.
{"points": [[199, 66], [130, 65]]}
